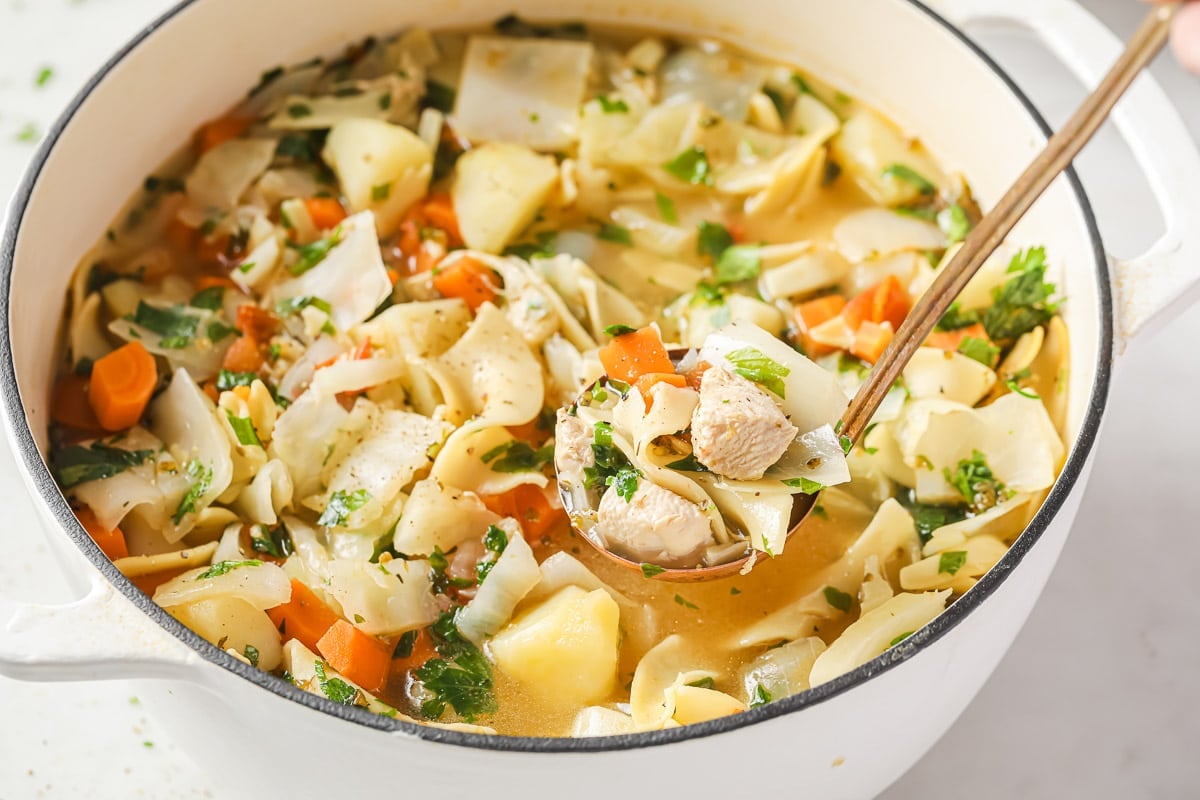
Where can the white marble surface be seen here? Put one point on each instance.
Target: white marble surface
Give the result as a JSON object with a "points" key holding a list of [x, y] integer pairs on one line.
{"points": [[1098, 697]]}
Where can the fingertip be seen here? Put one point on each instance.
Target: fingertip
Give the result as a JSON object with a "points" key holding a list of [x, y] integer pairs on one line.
{"points": [[1185, 37]]}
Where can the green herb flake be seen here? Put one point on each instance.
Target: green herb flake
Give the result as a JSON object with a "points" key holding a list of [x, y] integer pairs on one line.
{"points": [[951, 561], [517, 456], [956, 318], [243, 429], [650, 570], [293, 305], [666, 208], [712, 240], [681, 600], [740, 262], [1015, 388], [617, 234], [461, 678], [226, 380], [28, 133], [495, 540], [251, 654], [691, 166], [169, 323], [801, 84], [975, 481], [706, 682], [1023, 303], [341, 505], [225, 567], [335, 689], [276, 542], [381, 192], [440, 96], [619, 330], [78, 464], [201, 478], [900, 638], [43, 76], [313, 254], [405, 645], [218, 330], [980, 350], [299, 111], [760, 697], [210, 299], [541, 247], [611, 106], [910, 176], [733, 590], [838, 599], [804, 485], [954, 222], [752, 365], [625, 482], [688, 464]]}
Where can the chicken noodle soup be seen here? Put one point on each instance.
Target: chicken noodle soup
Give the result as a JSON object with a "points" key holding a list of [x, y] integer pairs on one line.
{"points": [[314, 373]]}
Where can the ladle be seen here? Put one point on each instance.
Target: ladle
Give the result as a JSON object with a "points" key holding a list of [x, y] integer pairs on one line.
{"points": [[1062, 147]]}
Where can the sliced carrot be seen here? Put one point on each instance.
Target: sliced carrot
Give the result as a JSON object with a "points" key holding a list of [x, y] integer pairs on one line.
{"points": [[646, 382], [121, 385], [210, 389], [243, 355], [70, 406], [326, 212], [871, 339], [697, 375], [950, 340], [811, 314], [181, 236], [112, 542], [213, 281], [629, 356], [535, 508], [886, 301], [468, 279], [359, 656], [256, 322], [438, 212], [219, 131], [393, 275], [303, 617]]}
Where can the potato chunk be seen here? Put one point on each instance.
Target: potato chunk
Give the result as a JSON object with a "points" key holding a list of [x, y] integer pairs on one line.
{"points": [[565, 648], [234, 624], [380, 166], [498, 190], [869, 145]]}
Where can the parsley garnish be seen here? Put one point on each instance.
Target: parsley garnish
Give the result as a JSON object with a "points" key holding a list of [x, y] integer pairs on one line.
{"points": [[174, 326], [910, 176], [681, 600], [335, 689], [955, 318], [612, 468], [43, 76], [900, 638], [610, 106], [440, 96], [650, 570], [1015, 387], [838, 599], [78, 464], [761, 696], [691, 166], [404, 646], [704, 683], [517, 456], [618, 234], [210, 298], [666, 208], [462, 678], [225, 567], [243, 429], [752, 365], [226, 380], [251, 654], [741, 262], [929, 518], [201, 477], [619, 330], [313, 254], [543, 247], [712, 239], [954, 223], [495, 540], [951, 561], [1023, 303], [277, 542], [804, 485], [299, 111], [341, 505], [298, 147], [688, 464], [291, 305], [625, 482], [974, 480], [980, 350], [381, 192]]}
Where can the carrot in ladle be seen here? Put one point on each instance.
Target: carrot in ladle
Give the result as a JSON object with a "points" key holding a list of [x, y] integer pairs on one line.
{"points": [[121, 385]]}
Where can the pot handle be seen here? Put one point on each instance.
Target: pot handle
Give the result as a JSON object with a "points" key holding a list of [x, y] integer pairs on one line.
{"points": [[1163, 281], [100, 636]]}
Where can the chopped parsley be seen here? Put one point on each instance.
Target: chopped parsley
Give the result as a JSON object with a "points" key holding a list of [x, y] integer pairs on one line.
{"points": [[617, 234], [712, 239], [341, 505], [226, 380], [954, 222], [461, 678], [381, 192], [691, 166], [650, 570], [512, 25], [704, 683], [929, 518], [740, 262], [612, 468], [43, 76], [804, 485], [218, 330], [243, 429], [838, 599], [760, 697], [201, 478], [752, 365], [291, 305], [335, 689], [251, 654], [517, 456], [298, 147], [405, 645], [975, 481], [542, 247], [951, 561], [688, 464], [438, 564], [440, 96], [225, 567], [171, 324], [78, 464], [28, 133], [1015, 388], [666, 208], [900, 638], [955, 318], [495, 540], [1023, 303], [611, 106], [276, 542], [683, 601], [625, 482], [313, 254], [210, 298], [980, 350], [299, 111], [619, 330], [910, 176]]}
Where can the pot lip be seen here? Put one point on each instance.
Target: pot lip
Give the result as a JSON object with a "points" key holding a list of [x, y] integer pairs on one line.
{"points": [[39, 475]]}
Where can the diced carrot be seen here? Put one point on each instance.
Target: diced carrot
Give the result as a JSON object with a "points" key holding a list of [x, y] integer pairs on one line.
{"points": [[469, 280], [393, 275], [871, 339], [438, 211], [697, 375], [303, 617], [629, 356], [422, 651], [256, 322], [213, 281], [359, 656], [121, 385], [243, 355], [646, 382], [210, 389], [811, 314], [181, 236], [112, 542], [950, 340], [69, 404], [241, 392], [535, 508], [326, 212], [219, 131], [886, 301]]}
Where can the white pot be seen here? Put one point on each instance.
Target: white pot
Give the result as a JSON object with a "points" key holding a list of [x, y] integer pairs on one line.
{"points": [[847, 739]]}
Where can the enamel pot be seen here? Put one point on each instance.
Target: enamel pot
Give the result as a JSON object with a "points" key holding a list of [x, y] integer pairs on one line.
{"points": [[849, 738]]}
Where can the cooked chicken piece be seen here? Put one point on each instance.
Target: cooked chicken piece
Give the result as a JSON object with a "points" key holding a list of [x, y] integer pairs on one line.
{"points": [[737, 429], [572, 446], [655, 526]]}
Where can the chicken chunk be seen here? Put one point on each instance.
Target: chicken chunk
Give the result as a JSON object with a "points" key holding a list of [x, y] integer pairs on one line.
{"points": [[572, 446], [737, 429], [655, 526]]}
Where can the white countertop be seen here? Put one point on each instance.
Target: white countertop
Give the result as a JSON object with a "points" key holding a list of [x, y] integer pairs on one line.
{"points": [[1097, 699]]}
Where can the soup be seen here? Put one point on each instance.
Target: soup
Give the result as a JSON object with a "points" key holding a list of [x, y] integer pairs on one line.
{"points": [[313, 373]]}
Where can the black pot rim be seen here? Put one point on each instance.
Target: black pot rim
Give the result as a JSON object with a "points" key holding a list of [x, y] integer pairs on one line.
{"points": [[29, 456]]}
